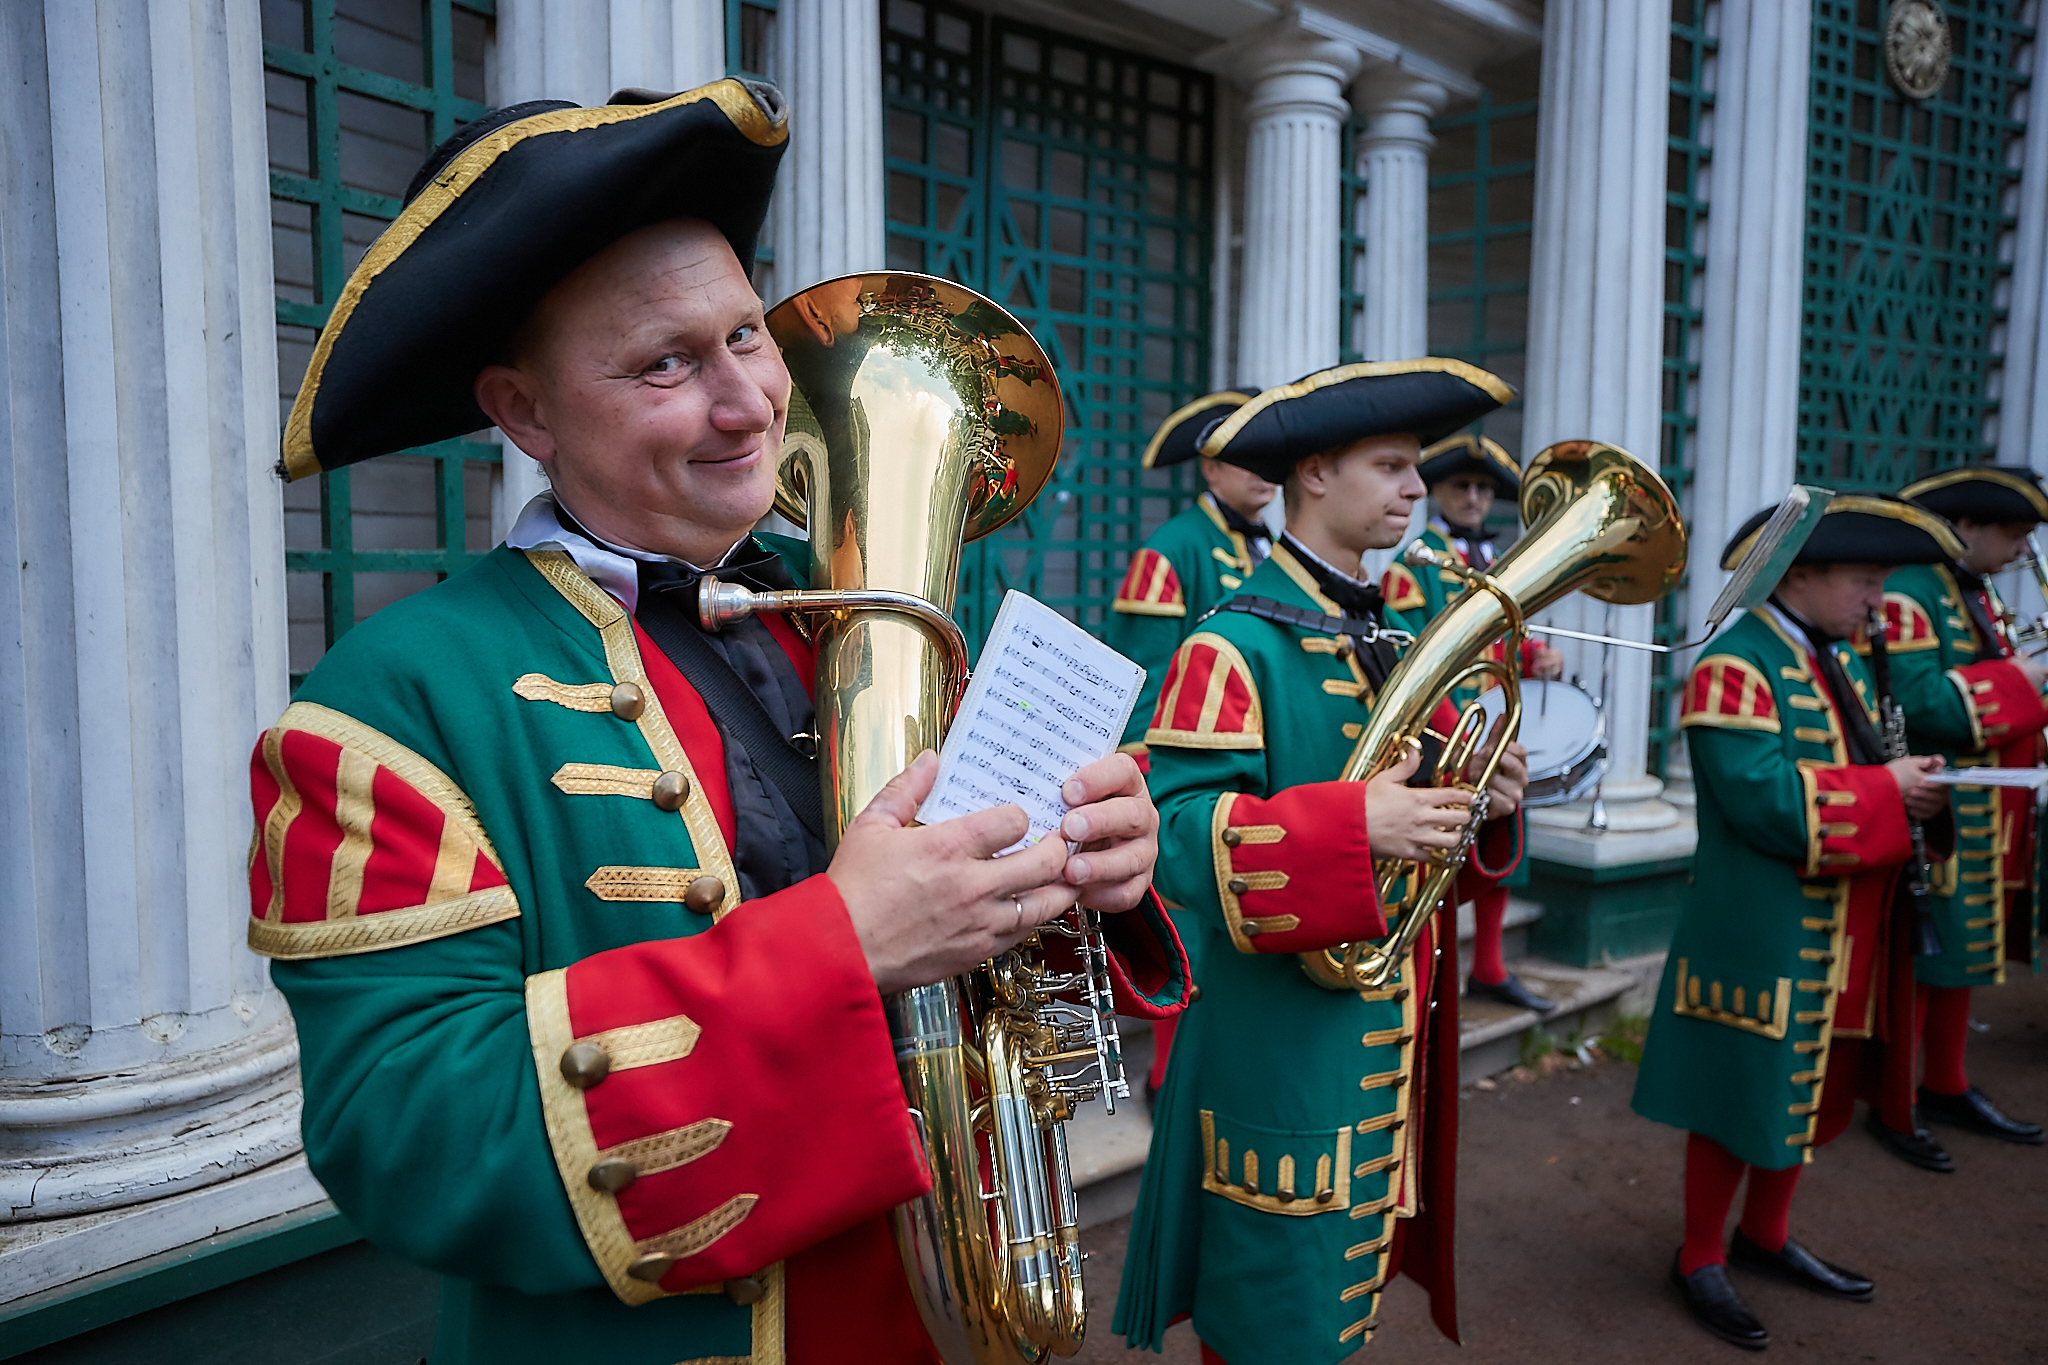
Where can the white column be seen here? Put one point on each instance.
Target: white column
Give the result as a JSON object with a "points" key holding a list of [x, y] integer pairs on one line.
{"points": [[1290, 314], [1744, 454], [583, 50], [2023, 409], [1596, 318], [827, 216], [144, 1055], [1393, 156]]}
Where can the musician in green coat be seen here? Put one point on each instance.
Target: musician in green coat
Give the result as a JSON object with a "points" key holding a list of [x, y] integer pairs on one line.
{"points": [[1969, 696], [1788, 981], [1300, 1128]]}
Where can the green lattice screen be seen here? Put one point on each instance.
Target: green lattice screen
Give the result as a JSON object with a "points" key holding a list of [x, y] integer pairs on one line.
{"points": [[1685, 227], [1071, 183], [357, 91], [1904, 216]]}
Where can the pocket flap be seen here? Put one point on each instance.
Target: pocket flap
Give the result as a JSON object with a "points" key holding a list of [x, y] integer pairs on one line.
{"points": [[1739, 997], [1276, 1170]]}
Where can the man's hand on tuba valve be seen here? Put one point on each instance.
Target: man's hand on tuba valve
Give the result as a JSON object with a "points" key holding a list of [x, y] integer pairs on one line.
{"points": [[1413, 822]]}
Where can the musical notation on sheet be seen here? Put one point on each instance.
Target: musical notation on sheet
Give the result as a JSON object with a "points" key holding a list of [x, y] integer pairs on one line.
{"points": [[1046, 700]]}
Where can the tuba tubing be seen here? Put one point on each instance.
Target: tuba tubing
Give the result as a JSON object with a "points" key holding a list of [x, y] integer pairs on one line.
{"points": [[1600, 522]]}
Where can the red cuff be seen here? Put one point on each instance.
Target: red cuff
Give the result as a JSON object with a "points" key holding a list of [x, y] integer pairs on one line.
{"points": [[1495, 853], [1855, 818], [2005, 704], [1148, 966], [1294, 871], [723, 1053]]}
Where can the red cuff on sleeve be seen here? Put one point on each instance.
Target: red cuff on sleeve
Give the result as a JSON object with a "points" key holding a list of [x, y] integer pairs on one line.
{"points": [[760, 1029], [1148, 966], [1294, 870], [2006, 704], [1855, 818]]}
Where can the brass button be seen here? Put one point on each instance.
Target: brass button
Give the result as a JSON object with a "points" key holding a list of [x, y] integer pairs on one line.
{"points": [[746, 1289], [651, 1267], [1238, 886], [1325, 1196], [671, 790], [1251, 928], [612, 1175], [1194, 992], [585, 1064], [1232, 836], [705, 895], [628, 701], [1284, 1196]]}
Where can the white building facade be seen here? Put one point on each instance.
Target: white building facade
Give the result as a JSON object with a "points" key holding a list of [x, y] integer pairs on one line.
{"points": [[1750, 241]]}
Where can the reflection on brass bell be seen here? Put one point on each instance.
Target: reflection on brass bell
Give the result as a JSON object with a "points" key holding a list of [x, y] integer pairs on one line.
{"points": [[585, 1064], [1238, 886], [651, 1267], [671, 789], [1232, 836], [612, 1175], [746, 1289], [628, 701], [705, 895]]}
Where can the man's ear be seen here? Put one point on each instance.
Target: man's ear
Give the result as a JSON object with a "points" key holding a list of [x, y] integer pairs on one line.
{"points": [[507, 395], [1313, 474]]}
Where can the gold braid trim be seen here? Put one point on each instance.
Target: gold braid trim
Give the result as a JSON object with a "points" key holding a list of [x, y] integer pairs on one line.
{"points": [[385, 929], [699, 1233], [575, 696], [605, 779], [649, 1044], [676, 1147]]}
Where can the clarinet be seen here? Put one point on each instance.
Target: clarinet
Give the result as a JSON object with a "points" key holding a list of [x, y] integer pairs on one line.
{"points": [[1913, 884]]}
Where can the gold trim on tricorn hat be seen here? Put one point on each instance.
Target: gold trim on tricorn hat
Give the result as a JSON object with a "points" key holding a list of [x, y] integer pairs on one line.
{"points": [[1859, 529], [1470, 453], [1989, 493], [1180, 434], [510, 214]]}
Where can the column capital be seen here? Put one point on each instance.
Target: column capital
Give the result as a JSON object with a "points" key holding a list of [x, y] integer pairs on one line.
{"points": [[1288, 68], [1391, 90]]}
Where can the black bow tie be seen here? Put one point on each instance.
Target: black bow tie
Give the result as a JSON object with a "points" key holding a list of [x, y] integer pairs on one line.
{"points": [[1354, 598], [1864, 743], [756, 568], [1240, 523]]}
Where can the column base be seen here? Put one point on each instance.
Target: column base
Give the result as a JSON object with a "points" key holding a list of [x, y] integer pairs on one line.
{"points": [[1607, 896]]}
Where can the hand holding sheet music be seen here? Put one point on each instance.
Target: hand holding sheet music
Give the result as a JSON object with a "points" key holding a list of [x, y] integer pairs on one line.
{"points": [[1046, 700]]}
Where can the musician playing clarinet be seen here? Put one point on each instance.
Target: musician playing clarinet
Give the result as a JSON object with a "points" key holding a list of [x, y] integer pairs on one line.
{"points": [[591, 1022], [1301, 1129], [1788, 992], [1968, 695]]}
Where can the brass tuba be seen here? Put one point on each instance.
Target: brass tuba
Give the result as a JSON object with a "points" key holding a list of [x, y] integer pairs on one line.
{"points": [[924, 417], [1600, 522]]}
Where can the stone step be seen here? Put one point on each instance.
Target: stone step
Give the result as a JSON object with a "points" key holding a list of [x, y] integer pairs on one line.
{"points": [[1491, 1035]]}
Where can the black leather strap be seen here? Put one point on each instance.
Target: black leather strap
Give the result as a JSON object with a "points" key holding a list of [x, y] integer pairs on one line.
{"points": [[733, 705], [1375, 649]]}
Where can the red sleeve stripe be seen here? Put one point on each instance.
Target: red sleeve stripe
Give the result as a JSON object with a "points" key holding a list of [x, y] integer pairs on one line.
{"points": [[1186, 691], [1150, 581]]}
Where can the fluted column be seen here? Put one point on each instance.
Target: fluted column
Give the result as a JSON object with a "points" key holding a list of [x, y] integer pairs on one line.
{"points": [[1596, 318], [582, 50], [1744, 454], [1393, 157], [143, 1053], [2023, 408], [827, 216], [1291, 313]]}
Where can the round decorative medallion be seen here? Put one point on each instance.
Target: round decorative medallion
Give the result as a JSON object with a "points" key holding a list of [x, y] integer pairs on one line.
{"points": [[1916, 47]]}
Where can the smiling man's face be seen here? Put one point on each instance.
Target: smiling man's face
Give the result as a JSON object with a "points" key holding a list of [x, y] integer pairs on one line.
{"points": [[648, 387]]}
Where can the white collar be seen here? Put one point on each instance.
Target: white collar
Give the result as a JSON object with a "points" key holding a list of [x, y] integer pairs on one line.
{"points": [[612, 567], [1304, 552]]}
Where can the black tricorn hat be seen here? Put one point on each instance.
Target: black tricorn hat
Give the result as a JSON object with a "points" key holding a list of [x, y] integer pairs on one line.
{"points": [[501, 213], [1429, 398], [1989, 494], [1862, 529], [1178, 435], [1469, 453]]}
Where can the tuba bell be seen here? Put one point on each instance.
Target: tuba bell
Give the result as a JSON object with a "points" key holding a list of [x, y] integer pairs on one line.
{"points": [[1600, 522], [924, 417]]}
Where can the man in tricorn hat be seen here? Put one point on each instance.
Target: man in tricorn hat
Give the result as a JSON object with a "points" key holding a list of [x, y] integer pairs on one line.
{"points": [[1199, 557], [1465, 473], [1968, 696], [1788, 988], [590, 1020], [1300, 1128]]}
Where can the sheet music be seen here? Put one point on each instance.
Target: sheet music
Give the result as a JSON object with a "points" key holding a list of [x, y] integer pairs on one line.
{"points": [[2035, 778], [1046, 700]]}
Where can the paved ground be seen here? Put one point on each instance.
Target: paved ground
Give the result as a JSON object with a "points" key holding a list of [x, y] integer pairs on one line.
{"points": [[1569, 1214]]}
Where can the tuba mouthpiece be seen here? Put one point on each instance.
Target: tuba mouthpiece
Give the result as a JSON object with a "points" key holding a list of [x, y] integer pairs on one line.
{"points": [[720, 604]]}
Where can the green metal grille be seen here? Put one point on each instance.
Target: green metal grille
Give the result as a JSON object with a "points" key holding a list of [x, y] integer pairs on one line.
{"points": [[750, 38], [1904, 212], [357, 91], [1685, 230], [1071, 183], [1482, 203]]}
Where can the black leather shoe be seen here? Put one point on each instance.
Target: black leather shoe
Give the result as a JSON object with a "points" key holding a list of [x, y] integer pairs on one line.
{"points": [[1915, 1147], [1972, 1110], [1509, 992], [1716, 1306], [1795, 1263]]}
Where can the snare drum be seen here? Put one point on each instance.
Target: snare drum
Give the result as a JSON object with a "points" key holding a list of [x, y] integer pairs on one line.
{"points": [[1566, 739]]}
